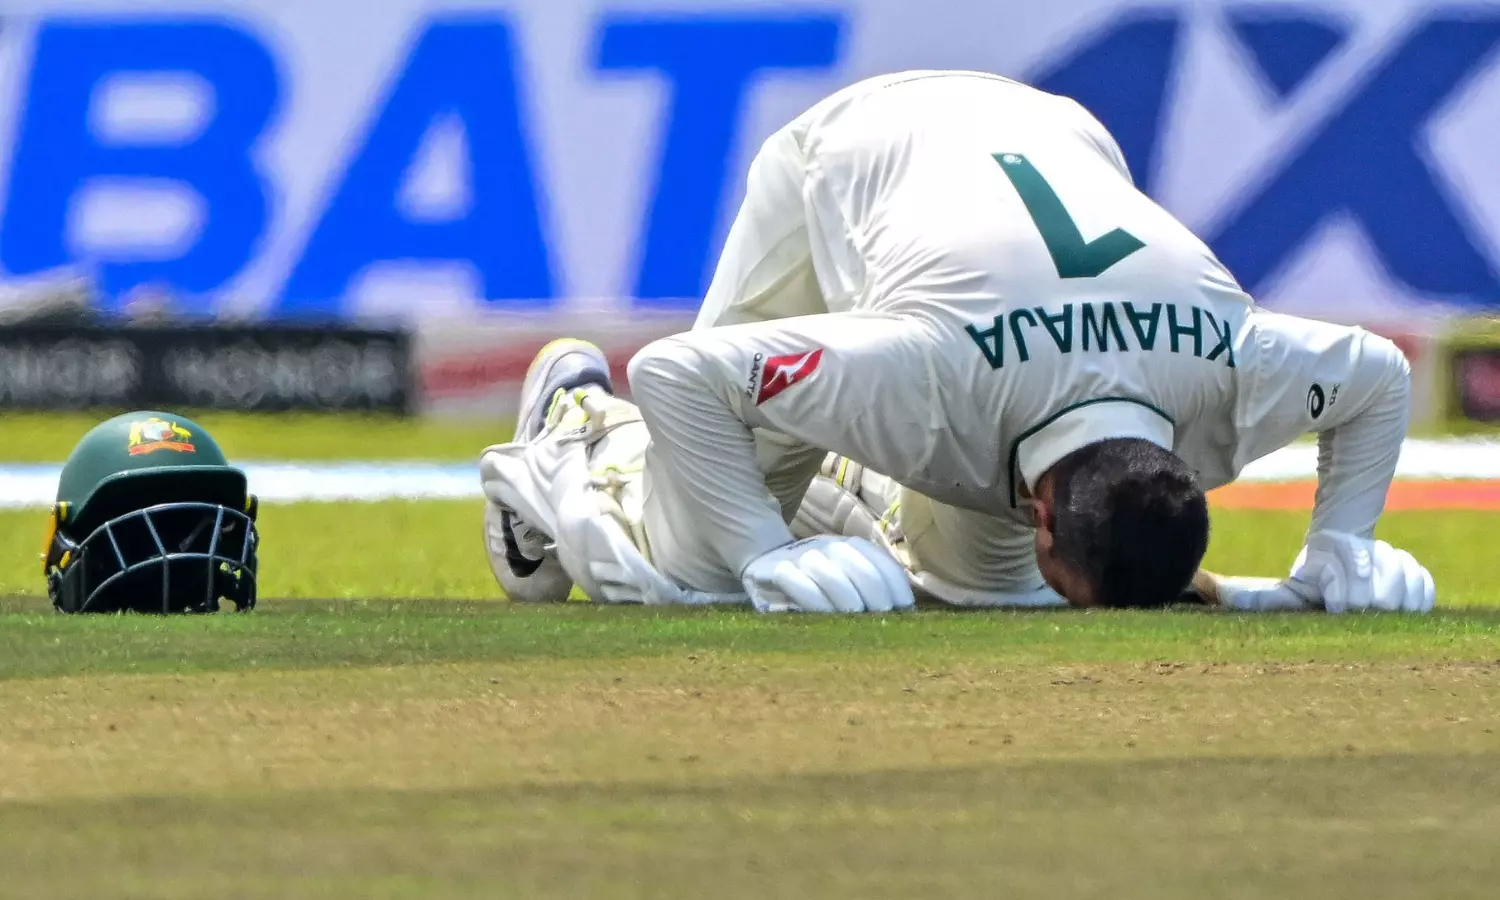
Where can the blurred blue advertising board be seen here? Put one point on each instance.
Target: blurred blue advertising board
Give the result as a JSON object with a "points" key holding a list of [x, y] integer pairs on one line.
{"points": [[342, 159]]}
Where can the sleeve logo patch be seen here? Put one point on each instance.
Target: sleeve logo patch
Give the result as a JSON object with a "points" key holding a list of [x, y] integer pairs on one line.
{"points": [[781, 372], [1315, 401]]}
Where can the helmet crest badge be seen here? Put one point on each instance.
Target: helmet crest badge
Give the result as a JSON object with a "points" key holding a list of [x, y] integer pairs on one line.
{"points": [[153, 434]]}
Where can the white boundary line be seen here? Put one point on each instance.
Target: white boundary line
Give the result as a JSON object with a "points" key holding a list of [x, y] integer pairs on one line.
{"points": [[1428, 459], [24, 486], [36, 485]]}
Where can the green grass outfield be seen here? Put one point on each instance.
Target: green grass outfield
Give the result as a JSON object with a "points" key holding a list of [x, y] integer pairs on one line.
{"points": [[47, 437], [385, 726], [432, 549]]}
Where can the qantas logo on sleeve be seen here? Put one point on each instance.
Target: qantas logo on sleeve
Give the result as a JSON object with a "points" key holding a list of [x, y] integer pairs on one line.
{"points": [[781, 372]]}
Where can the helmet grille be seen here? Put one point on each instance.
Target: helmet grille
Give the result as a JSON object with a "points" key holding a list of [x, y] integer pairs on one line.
{"points": [[175, 557]]}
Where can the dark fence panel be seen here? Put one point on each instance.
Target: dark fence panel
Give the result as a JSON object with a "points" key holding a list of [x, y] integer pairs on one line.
{"points": [[249, 367]]}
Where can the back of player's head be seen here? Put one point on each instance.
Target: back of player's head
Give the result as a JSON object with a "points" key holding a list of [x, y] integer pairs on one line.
{"points": [[1130, 520]]}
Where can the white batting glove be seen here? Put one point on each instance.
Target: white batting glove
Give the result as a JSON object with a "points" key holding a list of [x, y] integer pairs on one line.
{"points": [[1335, 572], [1348, 573], [827, 574]]}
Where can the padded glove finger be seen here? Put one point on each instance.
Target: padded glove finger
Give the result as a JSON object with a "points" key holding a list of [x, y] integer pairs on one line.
{"points": [[897, 582], [860, 570], [832, 582]]}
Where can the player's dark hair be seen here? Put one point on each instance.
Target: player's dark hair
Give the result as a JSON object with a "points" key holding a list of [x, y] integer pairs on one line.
{"points": [[1130, 518]]}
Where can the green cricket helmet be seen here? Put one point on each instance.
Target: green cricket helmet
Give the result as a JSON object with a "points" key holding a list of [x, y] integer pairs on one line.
{"points": [[150, 517]]}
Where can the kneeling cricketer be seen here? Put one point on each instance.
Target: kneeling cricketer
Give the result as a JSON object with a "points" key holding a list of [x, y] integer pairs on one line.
{"points": [[953, 349]]}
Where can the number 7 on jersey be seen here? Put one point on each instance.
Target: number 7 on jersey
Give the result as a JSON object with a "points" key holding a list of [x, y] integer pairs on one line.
{"points": [[1071, 254]]}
